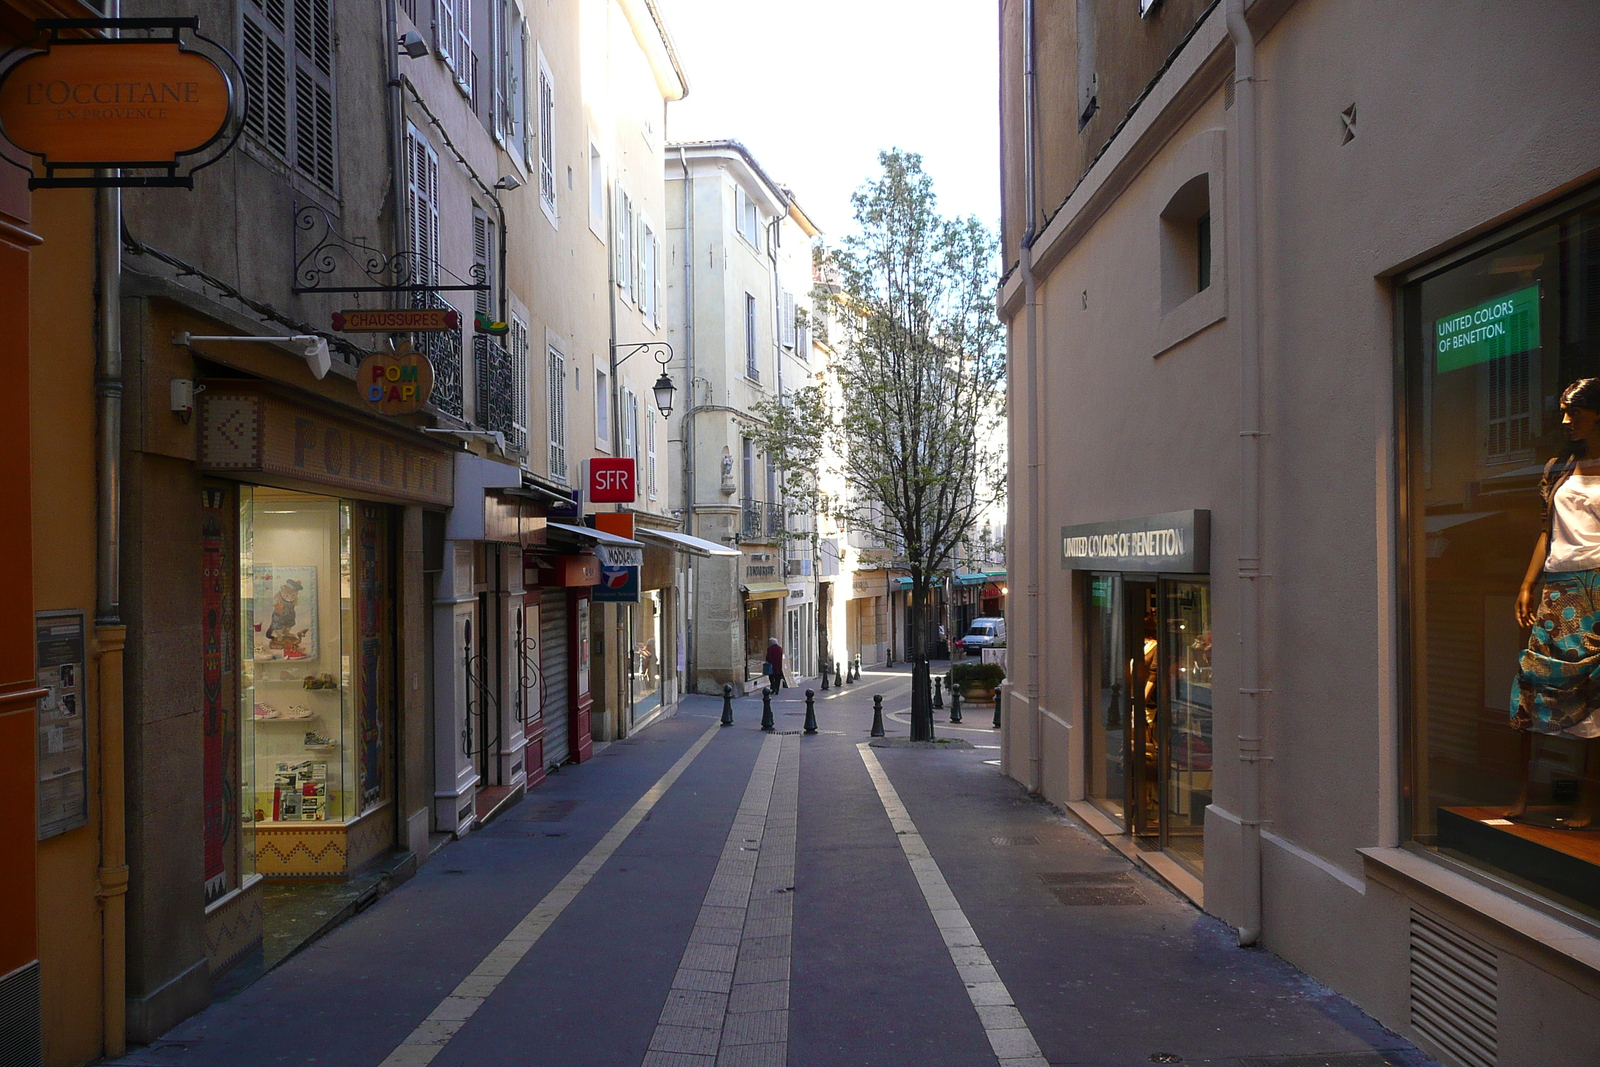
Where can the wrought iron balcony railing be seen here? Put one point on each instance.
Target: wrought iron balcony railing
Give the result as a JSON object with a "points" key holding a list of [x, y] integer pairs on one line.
{"points": [[443, 350], [761, 520], [498, 394]]}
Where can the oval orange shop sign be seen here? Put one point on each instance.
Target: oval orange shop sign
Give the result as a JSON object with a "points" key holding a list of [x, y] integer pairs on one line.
{"points": [[127, 102]]}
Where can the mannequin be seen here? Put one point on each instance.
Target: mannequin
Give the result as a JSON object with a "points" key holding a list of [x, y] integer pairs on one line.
{"points": [[1557, 687]]}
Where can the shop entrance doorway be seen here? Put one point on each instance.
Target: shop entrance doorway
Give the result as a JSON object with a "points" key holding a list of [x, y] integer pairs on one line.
{"points": [[1149, 699]]}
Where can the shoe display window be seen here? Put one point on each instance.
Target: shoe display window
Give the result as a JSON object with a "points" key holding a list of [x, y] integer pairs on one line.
{"points": [[297, 623]]}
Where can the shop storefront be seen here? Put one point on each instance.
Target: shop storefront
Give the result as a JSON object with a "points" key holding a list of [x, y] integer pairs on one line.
{"points": [[1501, 352], [1149, 739], [866, 617], [764, 593], [557, 608]]}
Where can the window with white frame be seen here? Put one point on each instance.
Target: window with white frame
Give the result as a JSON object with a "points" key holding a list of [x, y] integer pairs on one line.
{"points": [[602, 408], [547, 139], [626, 257], [650, 450], [288, 69], [517, 340], [656, 272], [802, 335], [752, 368], [466, 65], [629, 411], [747, 217], [557, 404], [786, 319], [647, 270], [513, 43], [422, 207], [444, 31], [597, 192]]}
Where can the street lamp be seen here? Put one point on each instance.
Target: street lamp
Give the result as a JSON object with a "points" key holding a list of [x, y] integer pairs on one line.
{"points": [[659, 351], [664, 390]]}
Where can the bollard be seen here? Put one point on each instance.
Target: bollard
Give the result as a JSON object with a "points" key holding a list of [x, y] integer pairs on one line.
{"points": [[997, 709], [888, 659], [727, 703], [824, 677], [877, 716], [955, 704], [938, 692], [811, 711], [766, 710], [838, 680]]}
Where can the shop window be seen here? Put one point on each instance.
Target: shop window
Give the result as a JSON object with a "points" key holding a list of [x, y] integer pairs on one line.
{"points": [[1186, 243], [1504, 718], [315, 619]]}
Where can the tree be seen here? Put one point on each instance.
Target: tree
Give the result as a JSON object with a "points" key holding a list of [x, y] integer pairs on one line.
{"points": [[908, 422]]}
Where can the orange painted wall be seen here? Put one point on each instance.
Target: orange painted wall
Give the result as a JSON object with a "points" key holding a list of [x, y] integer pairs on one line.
{"points": [[61, 388]]}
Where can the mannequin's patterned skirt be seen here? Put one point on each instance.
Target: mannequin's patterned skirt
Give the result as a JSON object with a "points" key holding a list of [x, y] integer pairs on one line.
{"points": [[1557, 687]]}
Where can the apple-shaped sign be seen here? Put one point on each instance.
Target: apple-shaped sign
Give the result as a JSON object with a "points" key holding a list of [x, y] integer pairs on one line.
{"points": [[395, 383]]}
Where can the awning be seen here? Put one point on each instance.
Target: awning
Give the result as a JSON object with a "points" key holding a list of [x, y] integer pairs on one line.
{"points": [[764, 590], [901, 584], [599, 537], [977, 578], [681, 542]]}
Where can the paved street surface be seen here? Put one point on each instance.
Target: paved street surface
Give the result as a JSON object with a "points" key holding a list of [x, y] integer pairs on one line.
{"points": [[705, 897]]}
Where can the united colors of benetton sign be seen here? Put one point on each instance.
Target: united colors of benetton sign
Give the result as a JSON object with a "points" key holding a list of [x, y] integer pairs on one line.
{"points": [[1177, 541]]}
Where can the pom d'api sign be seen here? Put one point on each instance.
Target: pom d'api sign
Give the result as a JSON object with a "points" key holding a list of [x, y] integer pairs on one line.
{"points": [[155, 104]]}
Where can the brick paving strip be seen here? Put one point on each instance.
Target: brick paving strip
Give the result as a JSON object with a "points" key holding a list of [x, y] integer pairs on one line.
{"points": [[434, 1032], [729, 1002], [1009, 1036]]}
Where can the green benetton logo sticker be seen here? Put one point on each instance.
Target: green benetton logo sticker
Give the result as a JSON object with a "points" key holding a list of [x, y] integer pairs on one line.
{"points": [[1503, 326]]}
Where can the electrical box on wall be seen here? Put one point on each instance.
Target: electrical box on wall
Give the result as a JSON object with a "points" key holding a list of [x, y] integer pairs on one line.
{"points": [[183, 391]]}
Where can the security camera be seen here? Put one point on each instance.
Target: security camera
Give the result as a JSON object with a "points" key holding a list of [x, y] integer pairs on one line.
{"points": [[412, 44]]}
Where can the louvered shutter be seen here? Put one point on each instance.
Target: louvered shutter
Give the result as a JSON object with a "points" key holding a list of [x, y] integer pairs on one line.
{"points": [[483, 258], [655, 257], [547, 139], [422, 208], [519, 370], [444, 29], [266, 65], [558, 413], [463, 41], [788, 320], [619, 215]]}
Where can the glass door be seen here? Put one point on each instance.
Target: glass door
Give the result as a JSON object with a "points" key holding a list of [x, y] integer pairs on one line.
{"points": [[1142, 629], [1107, 697], [1186, 716]]}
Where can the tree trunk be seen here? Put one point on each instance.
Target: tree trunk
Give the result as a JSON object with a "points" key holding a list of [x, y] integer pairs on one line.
{"points": [[917, 644]]}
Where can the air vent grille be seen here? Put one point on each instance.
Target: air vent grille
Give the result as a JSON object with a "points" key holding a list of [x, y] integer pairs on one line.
{"points": [[20, 1044], [1454, 991]]}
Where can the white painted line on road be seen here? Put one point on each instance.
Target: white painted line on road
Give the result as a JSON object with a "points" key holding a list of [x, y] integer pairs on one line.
{"points": [[434, 1033], [1009, 1036]]}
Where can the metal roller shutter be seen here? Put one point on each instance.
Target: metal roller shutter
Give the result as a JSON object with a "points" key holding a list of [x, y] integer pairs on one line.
{"points": [[553, 665]]}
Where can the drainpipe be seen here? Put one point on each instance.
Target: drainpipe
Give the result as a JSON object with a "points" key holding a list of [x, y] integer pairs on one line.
{"points": [[110, 634], [400, 239], [1251, 688], [1030, 89], [689, 613]]}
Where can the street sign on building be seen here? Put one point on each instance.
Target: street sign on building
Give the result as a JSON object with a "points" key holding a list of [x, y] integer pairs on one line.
{"points": [[396, 320], [611, 480]]}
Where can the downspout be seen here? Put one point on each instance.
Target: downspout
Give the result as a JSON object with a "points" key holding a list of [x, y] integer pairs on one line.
{"points": [[398, 235], [1030, 89], [110, 634], [689, 613], [1250, 680]]}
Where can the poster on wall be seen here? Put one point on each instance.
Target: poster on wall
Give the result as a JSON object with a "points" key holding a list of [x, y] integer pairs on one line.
{"points": [[300, 791], [285, 613], [582, 674], [618, 585], [62, 793]]}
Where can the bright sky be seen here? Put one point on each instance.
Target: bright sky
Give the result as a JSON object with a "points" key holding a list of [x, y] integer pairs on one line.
{"points": [[815, 89]]}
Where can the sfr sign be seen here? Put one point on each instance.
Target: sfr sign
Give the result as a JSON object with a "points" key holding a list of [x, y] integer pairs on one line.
{"points": [[612, 481]]}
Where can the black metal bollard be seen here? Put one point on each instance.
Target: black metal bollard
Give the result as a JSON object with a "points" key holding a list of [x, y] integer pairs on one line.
{"points": [[838, 679], [766, 710], [811, 711], [955, 704], [824, 677], [938, 692], [877, 717], [888, 659], [727, 703], [997, 709]]}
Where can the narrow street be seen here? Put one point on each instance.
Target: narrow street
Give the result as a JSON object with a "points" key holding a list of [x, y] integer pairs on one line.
{"points": [[701, 895]]}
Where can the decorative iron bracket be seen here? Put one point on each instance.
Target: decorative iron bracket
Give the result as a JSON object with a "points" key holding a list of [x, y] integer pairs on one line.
{"points": [[321, 250]]}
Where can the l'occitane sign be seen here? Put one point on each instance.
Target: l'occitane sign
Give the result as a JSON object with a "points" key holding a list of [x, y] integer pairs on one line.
{"points": [[114, 102]]}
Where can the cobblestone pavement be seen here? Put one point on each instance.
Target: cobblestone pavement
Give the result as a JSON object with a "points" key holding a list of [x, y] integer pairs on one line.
{"points": [[701, 896]]}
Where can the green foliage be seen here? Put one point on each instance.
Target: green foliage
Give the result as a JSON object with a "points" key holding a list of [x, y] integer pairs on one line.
{"points": [[977, 675]]}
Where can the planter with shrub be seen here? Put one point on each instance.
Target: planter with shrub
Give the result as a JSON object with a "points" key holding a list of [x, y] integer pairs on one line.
{"points": [[978, 681]]}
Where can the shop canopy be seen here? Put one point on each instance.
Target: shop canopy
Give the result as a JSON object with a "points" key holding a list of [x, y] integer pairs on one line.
{"points": [[681, 542], [598, 537], [976, 578], [764, 590]]}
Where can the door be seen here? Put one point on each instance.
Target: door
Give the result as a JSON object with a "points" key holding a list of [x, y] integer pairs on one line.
{"points": [[554, 660], [1141, 629], [530, 698], [1186, 716], [1106, 680]]}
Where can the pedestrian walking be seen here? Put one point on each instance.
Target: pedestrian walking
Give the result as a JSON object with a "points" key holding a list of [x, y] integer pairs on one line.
{"points": [[773, 668]]}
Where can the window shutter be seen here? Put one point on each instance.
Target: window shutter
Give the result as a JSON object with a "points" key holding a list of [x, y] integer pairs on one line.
{"points": [[788, 320], [483, 258], [463, 42], [422, 208], [444, 29], [655, 306], [650, 448], [519, 382], [558, 413], [266, 71], [547, 139], [520, 101]]}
